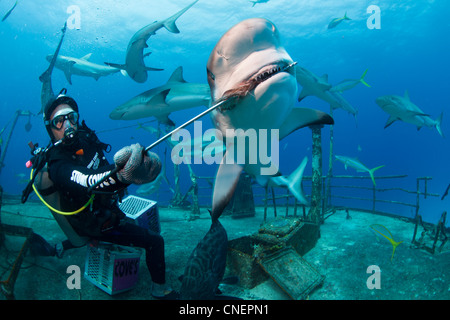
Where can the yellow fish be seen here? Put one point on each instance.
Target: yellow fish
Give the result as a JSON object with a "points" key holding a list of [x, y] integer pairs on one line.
{"points": [[391, 238]]}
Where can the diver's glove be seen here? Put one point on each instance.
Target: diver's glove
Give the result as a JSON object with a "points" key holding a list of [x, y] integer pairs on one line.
{"points": [[138, 167]]}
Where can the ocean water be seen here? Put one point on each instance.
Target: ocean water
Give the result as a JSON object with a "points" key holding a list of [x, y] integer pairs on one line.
{"points": [[407, 51]]}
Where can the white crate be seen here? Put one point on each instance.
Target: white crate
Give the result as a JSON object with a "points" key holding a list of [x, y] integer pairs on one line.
{"points": [[143, 212], [111, 267]]}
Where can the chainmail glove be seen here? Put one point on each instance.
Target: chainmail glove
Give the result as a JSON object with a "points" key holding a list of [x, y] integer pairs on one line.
{"points": [[138, 167]]}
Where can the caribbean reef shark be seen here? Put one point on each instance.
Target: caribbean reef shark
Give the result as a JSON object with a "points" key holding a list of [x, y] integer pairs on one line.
{"points": [[175, 95], [134, 61], [401, 108], [250, 69], [356, 164], [81, 67], [312, 85], [47, 93]]}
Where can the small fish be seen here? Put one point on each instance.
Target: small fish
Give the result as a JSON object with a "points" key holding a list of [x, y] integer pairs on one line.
{"points": [[22, 178], [9, 12], [258, 1], [390, 238], [356, 164], [349, 84], [337, 21]]}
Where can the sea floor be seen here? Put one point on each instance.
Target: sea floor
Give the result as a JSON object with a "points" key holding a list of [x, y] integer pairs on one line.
{"points": [[343, 254]]}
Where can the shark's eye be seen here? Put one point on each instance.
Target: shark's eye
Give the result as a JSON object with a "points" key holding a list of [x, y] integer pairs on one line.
{"points": [[210, 75]]}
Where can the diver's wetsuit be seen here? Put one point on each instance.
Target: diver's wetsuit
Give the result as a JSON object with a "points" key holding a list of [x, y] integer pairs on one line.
{"points": [[73, 171]]}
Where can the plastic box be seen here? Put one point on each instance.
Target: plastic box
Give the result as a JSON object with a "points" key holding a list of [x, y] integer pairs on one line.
{"points": [[142, 211], [111, 267]]}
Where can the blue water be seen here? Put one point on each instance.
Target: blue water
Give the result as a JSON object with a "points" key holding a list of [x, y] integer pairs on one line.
{"points": [[409, 52]]}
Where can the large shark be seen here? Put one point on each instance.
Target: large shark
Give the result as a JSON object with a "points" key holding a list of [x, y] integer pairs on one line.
{"points": [[47, 93], [250, 69], [134, 61], [358, 166], [312, 85], [176, 94], [401, 108], [81, 67]]}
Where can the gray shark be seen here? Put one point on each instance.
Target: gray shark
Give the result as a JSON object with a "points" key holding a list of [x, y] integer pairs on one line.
{"points": [[47, 93], [358, 166], [81, 67], [401, 108], [319, 87], [250, 69], [176, 94], [134, 61]]}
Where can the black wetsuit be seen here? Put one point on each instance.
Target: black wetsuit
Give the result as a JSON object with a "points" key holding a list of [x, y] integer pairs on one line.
{"points": [[73, 169]]}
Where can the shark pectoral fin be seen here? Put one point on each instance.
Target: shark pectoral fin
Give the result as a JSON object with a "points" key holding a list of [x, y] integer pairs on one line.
{"points": [[68, 75], [303, 117], [303, 94], [164, 119], [390, 121], [226, 181]]}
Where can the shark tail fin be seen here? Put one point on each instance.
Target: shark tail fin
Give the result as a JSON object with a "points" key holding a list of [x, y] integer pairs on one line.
{"points": [[362, 79], [169, 23], [371, 171], [438, 124]]}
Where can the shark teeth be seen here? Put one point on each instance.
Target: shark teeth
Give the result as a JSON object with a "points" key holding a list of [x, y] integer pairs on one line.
{"points": [[267, 74], [245, 87], [272, 70]]}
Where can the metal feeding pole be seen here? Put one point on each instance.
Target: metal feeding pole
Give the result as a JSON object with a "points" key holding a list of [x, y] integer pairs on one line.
{"points": [[154, 144]]}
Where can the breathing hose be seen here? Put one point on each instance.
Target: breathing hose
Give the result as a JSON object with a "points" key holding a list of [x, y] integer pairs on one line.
{"points": [[56, 210]]}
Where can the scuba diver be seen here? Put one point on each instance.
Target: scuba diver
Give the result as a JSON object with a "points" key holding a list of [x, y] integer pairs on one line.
{"points": [[74, 162]]}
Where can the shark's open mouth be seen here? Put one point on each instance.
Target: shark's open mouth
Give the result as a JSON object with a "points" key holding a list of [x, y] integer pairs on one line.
{"points": [[232, 96]]}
